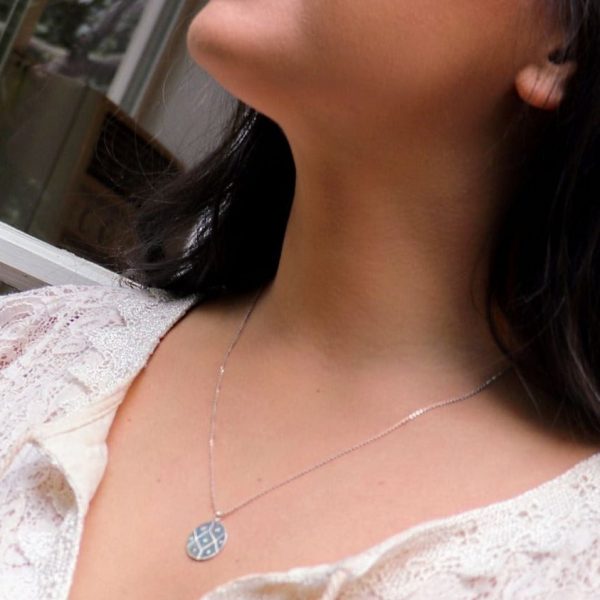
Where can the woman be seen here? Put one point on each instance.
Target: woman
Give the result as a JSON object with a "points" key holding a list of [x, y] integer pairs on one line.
{"points": [[405, 219]]}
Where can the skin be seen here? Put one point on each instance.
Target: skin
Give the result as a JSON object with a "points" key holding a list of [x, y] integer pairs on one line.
{"points": [[396, 120], [395, 117]]}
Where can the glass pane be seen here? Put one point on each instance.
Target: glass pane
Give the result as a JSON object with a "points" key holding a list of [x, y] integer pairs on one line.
{"points": [[85, 40], [70, 158]]}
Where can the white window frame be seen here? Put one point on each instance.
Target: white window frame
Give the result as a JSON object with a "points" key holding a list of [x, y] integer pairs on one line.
{"points": [[27, 262], [144, 52]]}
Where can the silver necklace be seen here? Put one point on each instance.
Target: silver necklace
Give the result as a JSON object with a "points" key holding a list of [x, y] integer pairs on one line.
{"points": [[207, 540]]}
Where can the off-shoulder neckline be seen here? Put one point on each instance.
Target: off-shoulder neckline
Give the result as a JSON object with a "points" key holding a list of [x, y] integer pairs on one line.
{"points": [[543, 491]]}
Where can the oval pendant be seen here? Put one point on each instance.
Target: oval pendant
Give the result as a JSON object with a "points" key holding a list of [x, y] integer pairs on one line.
{"points": [[207, 540]]}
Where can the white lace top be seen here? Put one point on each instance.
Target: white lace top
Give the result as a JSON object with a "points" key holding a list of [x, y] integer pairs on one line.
{"points": [[67, 357]]}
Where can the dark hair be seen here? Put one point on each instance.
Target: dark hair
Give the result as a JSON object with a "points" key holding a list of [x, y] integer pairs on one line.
{"points": [[219, 228]]}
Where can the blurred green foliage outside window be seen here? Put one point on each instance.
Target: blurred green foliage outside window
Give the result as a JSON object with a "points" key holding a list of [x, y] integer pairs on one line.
{"points": [[83, 39]]}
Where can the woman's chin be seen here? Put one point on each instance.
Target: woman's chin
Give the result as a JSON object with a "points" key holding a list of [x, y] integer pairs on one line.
{"points": [[239, 59], [209, 34]]}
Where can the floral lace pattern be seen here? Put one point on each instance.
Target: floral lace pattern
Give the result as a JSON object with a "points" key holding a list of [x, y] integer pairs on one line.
{"points": [[61, 349], [66, 350]]}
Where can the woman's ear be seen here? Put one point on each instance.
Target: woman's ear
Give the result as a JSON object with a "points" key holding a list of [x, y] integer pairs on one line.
{"points": [[543, 86]]}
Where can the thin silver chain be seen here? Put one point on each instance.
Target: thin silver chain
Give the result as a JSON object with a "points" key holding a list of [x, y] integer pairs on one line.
{"points": [[417, 413]]}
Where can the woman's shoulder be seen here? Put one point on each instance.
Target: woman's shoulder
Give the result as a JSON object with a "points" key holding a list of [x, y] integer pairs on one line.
{"points": [[64, 346], [54, 313]]}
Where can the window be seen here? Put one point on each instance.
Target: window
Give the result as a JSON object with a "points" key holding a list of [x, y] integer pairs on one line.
{"points": [[80, 88]]}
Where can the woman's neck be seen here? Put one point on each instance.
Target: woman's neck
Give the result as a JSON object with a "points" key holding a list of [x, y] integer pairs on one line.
{"points": [[385, 254]]}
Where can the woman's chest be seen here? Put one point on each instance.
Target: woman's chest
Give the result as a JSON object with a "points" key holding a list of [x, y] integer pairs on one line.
{"points": [[156, 488]]}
